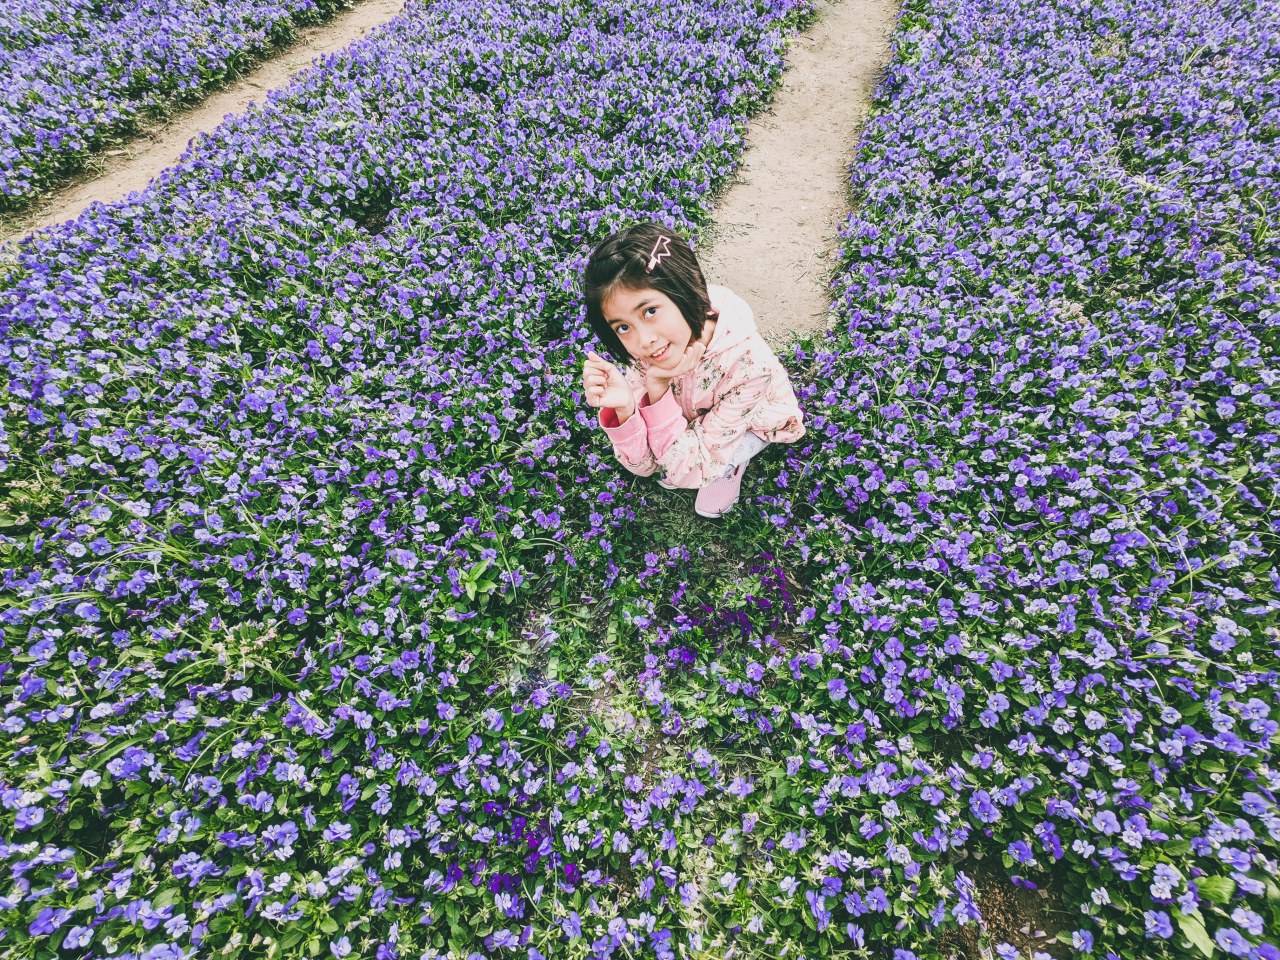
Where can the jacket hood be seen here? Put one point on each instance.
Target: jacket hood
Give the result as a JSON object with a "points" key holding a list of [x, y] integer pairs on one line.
{"points": [[736, 323]]}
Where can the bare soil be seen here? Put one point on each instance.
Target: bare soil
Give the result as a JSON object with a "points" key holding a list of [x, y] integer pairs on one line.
{"points": [[118, 172], [1027, 919], [774, 238]]}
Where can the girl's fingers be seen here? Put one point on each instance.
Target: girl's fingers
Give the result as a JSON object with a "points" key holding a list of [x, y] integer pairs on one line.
{"points": [[597, 370]]}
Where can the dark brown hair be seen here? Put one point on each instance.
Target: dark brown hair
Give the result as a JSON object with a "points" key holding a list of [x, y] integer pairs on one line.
{"points": [[620, 261]]}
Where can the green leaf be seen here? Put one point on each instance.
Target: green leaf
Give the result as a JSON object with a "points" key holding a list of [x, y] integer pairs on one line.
{"points": [[329, 925], [164, 898], [292, 938], [1216, 889], [1192, 926]]}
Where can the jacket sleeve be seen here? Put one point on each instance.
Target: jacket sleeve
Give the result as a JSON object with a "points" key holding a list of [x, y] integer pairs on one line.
{"points": [[694, 453], [631, 439]]}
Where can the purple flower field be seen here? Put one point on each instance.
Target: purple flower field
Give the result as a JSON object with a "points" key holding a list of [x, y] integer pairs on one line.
{"points": [[78, 75], [331, 629]]}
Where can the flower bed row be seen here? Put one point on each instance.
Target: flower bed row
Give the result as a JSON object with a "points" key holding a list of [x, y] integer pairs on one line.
{"points": [[80, 75], [295, 544]]}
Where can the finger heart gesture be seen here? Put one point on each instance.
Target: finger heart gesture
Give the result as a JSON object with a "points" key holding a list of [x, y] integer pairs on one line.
{"points": [[604, 384]]}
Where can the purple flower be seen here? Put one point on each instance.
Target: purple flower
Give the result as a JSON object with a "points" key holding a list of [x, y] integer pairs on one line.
{"points": [[983, 808], [48, 920], [1021, 852], [572, 925], [1105, 821], [1232, 942], [77, 937], [1157, 924]]}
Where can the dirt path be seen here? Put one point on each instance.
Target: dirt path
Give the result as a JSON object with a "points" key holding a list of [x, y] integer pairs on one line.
{"points": [[131, 167], [774, 235]]}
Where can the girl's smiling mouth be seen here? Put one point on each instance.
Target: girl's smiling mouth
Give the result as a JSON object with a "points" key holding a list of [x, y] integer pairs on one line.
{"points": [[661, 354]]}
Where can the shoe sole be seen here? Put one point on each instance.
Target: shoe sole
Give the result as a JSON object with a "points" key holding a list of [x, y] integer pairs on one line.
{"points": [[715, 516]]}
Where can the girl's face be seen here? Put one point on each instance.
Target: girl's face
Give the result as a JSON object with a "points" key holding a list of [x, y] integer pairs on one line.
{"points": [[649, 324]]}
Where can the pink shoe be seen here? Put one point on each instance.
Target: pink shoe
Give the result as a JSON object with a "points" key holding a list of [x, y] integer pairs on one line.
{"points": [[718, 497], [666, 486]]}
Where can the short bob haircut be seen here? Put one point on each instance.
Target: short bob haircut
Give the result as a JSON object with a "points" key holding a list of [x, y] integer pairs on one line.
{"points": [[620, 261]]}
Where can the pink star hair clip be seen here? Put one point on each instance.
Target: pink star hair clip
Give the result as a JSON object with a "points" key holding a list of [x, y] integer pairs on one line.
{"points": [[655, 257]]}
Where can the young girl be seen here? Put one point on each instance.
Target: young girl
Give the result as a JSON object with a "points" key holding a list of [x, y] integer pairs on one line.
{"points": [[703, 392]]}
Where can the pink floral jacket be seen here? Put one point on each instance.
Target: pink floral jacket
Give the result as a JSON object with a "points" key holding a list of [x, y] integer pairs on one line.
{"points": [[691, 433]]}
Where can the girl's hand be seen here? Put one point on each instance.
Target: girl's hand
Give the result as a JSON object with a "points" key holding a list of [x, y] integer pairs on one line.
{"points": [[657, 381], [605, 386]]}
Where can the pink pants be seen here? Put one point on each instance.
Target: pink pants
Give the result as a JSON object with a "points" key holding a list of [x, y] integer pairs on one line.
{"points": [[747, 447]]}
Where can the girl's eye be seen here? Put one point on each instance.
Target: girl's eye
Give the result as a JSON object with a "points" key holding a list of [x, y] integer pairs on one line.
{"points": [[622, 328]]}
